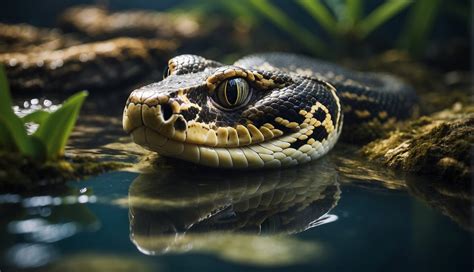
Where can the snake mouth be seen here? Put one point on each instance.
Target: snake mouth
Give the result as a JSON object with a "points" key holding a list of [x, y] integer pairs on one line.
{"points": [[161, 130]]}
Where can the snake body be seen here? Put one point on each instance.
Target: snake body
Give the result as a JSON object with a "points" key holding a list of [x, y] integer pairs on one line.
{"points": [[265, 110]]}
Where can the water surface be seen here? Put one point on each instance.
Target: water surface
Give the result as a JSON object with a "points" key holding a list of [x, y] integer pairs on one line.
{"points": [[176, 218]]}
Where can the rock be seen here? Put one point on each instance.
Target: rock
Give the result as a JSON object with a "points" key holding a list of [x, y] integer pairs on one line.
{"points": [[86, 66], [20, 173], [28, 38], [98, 23], [439, 144]]}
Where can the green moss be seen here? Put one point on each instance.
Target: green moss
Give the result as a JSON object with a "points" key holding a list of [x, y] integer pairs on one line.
{"points": [[21, 173]]}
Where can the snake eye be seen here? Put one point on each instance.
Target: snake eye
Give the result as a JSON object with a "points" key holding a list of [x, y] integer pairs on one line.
{"points": [[232, 93], [166, 72]]}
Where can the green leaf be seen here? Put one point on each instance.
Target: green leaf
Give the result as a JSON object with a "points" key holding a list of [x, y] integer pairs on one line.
{"points": [[6, 140], [240, 11], [55, 130], [320, 14], [39, 148], [381, 15], [5, 99], [15, 133], [353, 12], [281, 20], [37, 117], [418, 25]]}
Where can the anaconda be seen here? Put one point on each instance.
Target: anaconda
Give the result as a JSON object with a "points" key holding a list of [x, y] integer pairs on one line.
{"points": [[265, 110]]}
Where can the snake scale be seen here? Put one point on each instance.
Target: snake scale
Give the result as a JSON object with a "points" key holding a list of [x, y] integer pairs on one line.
{"points": [[265, 110]]}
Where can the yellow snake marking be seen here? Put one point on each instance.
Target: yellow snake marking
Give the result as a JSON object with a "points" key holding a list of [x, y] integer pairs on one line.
{"points": [[187, 103], [362, 113], [356, 97], [252, 76], [383, 114]]}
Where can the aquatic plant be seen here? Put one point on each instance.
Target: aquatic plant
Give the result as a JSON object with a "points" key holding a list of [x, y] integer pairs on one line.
{"points": [[49, 140], [420, 21], [284, 22], [344, 21], [348, 18]]}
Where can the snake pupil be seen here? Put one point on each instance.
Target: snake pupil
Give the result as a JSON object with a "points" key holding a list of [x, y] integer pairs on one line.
{"points": [[232, 93], [166, 72]]}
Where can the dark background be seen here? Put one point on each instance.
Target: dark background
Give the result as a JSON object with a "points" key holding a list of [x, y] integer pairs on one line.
{"points": [[450, 23]]}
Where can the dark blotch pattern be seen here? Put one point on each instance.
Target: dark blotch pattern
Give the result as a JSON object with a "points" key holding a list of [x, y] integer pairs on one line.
{"points": [[319, 133], [190, 113], [298, 92], [298, 143], [320, 115]]}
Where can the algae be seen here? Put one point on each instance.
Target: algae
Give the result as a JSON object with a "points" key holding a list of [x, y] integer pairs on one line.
{"points": [[21, 173]]}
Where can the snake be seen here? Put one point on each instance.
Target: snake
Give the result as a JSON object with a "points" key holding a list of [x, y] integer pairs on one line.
{"points": [[266, 110]]}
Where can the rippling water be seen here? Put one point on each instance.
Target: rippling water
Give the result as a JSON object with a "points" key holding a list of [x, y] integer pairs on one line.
{"points": [[307, 218]]}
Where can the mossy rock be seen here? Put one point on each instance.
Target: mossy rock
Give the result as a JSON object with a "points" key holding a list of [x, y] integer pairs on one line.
{"points": [[20, 173], [439, 144]]}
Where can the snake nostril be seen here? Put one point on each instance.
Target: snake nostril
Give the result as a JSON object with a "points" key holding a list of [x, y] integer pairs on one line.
{"points": [[166, 111], [180, 124]]}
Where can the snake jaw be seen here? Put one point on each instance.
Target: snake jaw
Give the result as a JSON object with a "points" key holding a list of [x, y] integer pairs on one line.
{"points": [[272, 144], [289, 120]]}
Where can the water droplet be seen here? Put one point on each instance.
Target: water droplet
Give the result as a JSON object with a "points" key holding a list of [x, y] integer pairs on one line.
{"points": [[13, 62], [82, 199], [47, 103]]}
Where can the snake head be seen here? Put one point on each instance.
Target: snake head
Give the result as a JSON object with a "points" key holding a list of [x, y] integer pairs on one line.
{"points": [[233, 116]]}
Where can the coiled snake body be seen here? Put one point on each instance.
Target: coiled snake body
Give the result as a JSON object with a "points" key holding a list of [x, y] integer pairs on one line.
{"points": [[266, 110]]}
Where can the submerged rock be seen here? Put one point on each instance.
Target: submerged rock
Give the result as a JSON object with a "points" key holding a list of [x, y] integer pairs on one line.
{"points": [[439, 144]]}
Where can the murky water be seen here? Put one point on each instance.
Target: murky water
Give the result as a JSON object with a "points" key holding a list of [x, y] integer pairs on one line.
{"points": [[180, 218]]}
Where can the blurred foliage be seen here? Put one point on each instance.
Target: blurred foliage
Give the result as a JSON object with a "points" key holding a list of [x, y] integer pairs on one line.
{"points": [[338, 26], [48, 142], [418, 25]]}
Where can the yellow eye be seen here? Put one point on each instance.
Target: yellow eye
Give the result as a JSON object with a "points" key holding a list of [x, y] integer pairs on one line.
{"points": [[232, 93]]}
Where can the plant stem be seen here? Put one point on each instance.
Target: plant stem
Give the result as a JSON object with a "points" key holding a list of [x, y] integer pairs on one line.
{"points": [[279, 18], [418, 25], [380, 15]]}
